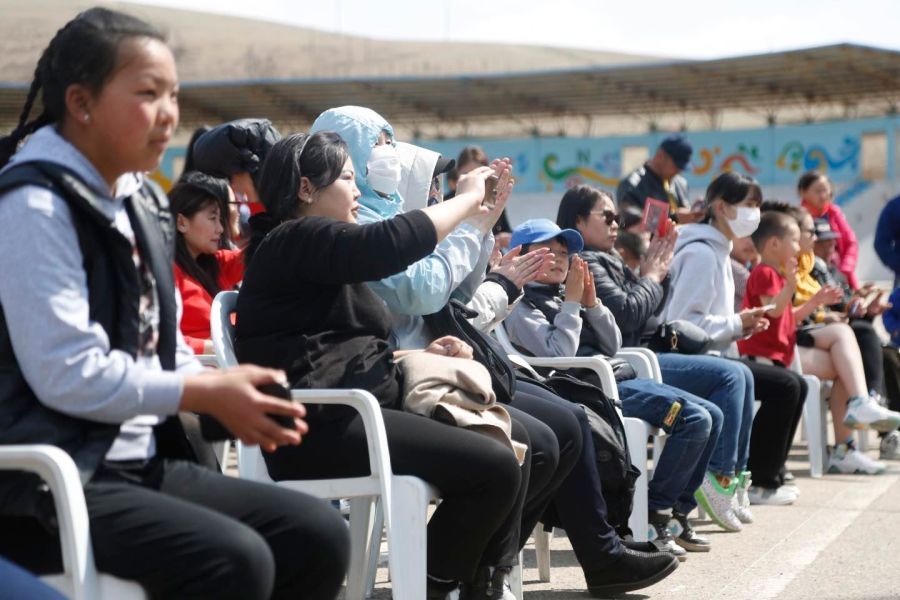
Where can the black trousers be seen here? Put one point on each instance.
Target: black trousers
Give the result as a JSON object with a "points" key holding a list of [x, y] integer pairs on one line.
{"points": [[578, 500], [183, 531], [565, 442], [479, 480], [870, 350], [782, 394], [891, 358]]}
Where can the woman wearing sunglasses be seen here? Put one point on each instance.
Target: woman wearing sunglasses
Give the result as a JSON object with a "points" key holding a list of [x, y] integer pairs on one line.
{"points": [[636, 300]]}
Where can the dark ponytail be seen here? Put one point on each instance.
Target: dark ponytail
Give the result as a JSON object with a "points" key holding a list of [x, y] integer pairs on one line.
{"points": [[85, 51], [319, 157]]}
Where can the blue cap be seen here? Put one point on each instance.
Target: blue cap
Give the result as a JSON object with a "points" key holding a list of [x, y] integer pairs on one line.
{"points": [[678, 149], [534, 231]]}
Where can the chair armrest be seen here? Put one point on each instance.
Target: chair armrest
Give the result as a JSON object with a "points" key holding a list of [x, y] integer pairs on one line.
{"points": [[60, 474], [597, 364], [373, 424], [208, 360], [643, 361], [520, 361]]}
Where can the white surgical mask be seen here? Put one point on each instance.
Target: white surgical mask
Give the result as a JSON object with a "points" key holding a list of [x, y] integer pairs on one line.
{"points": [[383, 169], [745, 222]]}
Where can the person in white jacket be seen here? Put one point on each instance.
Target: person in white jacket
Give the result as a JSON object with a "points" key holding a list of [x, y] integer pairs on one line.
{"points": [[702, 292]]}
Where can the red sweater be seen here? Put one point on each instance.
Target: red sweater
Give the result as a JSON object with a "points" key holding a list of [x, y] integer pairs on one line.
{"points": [[847, 249], [779, 340], [196, 300]]}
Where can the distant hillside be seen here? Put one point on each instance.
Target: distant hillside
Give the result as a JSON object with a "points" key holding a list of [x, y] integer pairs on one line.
{"points": [[215, 47]]}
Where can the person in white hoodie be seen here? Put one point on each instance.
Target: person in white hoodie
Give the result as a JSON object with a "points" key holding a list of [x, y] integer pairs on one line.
{"points": [[702, 292]]}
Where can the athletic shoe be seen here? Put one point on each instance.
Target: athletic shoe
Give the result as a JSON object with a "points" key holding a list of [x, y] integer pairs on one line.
{"points": [[890, 446], [854, 461], [741, 506], [781, 496], [716, 501], [687, 538], [864, 412], [661, 534], [631, 571]]}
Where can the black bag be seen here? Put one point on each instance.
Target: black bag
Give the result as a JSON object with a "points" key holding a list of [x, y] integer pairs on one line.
{"points": [[617, 474], [680, 336], [453, 320]]}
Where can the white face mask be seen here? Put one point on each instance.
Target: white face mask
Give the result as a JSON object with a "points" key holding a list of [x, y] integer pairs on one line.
{"points": [[745, 222], [383, 169]]}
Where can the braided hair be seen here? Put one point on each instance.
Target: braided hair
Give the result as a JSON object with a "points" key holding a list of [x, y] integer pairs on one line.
{"points": [[85, 51]]}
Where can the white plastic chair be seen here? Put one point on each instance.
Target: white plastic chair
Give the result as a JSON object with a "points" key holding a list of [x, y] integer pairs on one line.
{"points": [[80, 579], [636, 431], [401, 502]]}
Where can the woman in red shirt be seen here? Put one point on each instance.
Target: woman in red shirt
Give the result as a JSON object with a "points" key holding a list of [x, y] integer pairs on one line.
{"points": [[202, 269], [817, 196]]}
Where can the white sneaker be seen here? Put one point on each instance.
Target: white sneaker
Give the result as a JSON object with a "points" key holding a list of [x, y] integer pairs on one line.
{"points": [[741, 505], [890, 446], [864, 412], [716, 501], [854, 461], [781, 496]]}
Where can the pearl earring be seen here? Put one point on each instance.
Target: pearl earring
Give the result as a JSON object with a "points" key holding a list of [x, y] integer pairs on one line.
{"points": [[87, 118]]}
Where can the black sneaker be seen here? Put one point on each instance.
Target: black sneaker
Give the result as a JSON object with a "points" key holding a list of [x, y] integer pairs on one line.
{"points": [[661, 534], [688, 538], [639, 546], [632, 571]]}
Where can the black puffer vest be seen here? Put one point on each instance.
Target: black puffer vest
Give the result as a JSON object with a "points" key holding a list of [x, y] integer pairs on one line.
{"points": [[114, 295]]}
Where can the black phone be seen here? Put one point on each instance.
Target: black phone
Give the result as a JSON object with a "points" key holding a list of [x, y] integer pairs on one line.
{"points": [[279, 391]]}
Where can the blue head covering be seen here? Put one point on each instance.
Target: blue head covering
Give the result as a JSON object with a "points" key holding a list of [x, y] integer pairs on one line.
{"points": [[360, 127]]}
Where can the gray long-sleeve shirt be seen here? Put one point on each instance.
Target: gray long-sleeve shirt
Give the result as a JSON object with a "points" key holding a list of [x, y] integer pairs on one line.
{"points": [[64, 356]]}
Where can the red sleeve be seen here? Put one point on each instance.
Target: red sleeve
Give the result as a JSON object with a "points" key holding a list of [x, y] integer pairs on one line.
{"points": [[231, 268], [847, 246], [764, 281]]}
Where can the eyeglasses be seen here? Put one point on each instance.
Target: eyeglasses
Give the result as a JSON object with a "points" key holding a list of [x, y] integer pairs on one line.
{"points": [[608, 215]]}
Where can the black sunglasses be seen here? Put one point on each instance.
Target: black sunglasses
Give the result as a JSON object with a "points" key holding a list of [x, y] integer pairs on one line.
{"points": [[608, 215]]}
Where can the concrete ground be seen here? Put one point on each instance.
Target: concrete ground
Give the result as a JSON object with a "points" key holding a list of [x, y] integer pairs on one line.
{"points": [[841, 540]]}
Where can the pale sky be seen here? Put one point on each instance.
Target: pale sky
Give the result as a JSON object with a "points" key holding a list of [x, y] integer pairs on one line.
{"points": [[675, 28]]}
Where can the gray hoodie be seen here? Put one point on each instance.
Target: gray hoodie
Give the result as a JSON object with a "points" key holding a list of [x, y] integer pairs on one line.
{"points": [[701, 288], [65, 357]]}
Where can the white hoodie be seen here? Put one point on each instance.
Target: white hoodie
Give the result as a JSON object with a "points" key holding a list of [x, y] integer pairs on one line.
{"points": [[701, 288]]}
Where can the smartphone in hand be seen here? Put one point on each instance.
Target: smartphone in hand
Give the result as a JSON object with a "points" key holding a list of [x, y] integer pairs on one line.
{"points": [[279, 391], [656, 217]]}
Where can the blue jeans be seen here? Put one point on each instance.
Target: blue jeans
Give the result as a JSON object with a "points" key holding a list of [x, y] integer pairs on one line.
{"points": [[729, 385], [691, 441], [19, 583]]}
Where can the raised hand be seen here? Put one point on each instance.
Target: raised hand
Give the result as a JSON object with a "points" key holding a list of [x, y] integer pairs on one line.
{"points": [[574, 289]]}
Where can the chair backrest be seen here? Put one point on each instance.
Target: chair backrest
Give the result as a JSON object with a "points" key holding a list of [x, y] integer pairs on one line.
{"points": [[222, 330]]}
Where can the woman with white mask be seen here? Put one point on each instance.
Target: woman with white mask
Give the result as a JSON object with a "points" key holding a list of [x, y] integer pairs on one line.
{"points": [[702, 292]]}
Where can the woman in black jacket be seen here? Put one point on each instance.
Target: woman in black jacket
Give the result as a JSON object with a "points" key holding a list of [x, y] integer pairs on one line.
{"points": [[304, 305], [636, 301]]}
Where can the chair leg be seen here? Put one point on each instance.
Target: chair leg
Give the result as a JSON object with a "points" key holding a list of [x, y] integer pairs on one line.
{"points": [[542, 552], [362, 519], [862, 440], [815, 424], [408, 544], [515, 577], [636, 432], [375, 553]]}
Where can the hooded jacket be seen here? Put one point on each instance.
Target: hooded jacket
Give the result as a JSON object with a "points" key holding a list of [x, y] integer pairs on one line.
{"points": [[701, 288], [427, 285], [70, 375], [847, 249]]}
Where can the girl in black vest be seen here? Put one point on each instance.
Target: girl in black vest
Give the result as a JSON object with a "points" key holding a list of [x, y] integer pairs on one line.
{"points": [[91, 359]]}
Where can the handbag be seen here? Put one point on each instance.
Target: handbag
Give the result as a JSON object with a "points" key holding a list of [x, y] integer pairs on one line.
{"points": [[680, 336]]}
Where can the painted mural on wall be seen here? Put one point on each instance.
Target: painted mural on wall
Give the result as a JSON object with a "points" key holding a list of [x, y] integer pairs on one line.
{"points": [[775, 156]]}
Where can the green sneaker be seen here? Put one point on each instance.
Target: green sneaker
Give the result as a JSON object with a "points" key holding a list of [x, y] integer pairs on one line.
{"points": [[716, 501], [741, 499]]}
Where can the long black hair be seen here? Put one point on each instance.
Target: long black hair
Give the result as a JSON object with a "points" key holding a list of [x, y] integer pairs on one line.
{"points": [[85, 51], [732, 188], [319, 157], [193, 193]]}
